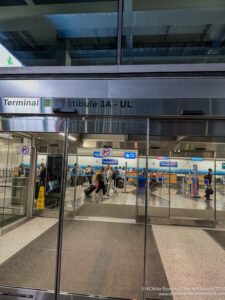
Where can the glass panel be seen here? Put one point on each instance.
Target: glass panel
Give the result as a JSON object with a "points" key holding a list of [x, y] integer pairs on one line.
{"points": [[191, 190], [103, 196], [159, 178], [14, 176], [220, 185], [31, 260], [59, 33], [49, 170], [177, 31]]}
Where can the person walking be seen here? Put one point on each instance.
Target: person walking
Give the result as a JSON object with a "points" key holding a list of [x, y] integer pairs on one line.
{"points": [[110, 177], [100, 191], [117, 177]]}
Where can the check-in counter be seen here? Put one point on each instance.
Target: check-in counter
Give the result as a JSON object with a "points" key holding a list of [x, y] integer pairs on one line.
{"points": [[200, 179], [172, 177]]}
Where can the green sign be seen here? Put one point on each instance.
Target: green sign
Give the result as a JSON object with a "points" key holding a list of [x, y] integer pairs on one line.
{"points": [[47, 102], [10, 61], [223, 165]]}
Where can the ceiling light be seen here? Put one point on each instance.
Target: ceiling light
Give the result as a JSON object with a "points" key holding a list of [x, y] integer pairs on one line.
{"points": [[69, 137], [72, 138]]}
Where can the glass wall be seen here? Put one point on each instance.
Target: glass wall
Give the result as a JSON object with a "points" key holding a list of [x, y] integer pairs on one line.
{"points": [[177, 31], [59, 33], [112, 167]]}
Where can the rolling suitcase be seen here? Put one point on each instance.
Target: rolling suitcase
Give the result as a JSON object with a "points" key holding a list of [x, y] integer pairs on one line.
{"points": [[90, 189], [120, 183]]}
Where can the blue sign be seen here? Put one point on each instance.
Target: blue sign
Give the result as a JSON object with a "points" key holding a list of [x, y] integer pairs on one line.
{"points": [[106, 161], [195, 168], [172, 164], [97, 154], [130, 155], [197, 158]]}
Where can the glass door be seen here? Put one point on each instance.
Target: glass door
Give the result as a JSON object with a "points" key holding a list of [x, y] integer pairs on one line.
{"points": [[31, 161], [103, 241], [15, 161]]}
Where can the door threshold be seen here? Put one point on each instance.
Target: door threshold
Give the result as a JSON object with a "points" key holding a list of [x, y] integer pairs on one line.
{"points": [[104, 219], [16, 293]]}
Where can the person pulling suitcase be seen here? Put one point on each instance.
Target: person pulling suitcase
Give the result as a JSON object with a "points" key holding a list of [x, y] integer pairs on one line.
{"points": [[100, 191]]}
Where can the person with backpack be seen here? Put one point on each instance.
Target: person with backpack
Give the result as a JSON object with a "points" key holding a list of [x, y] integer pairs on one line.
{"points": [[111, 175]]}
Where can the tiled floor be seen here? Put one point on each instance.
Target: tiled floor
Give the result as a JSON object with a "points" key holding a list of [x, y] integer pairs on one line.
{"points": [[192, 260], [15, 240]]}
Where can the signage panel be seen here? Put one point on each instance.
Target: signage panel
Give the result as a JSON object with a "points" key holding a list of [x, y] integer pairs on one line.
{"points": [[97, 154], [25, 150], [130, 155], [21, 105], [195, 168], [162, 157], [172, 164], [223, 165], [106, 161], [7, 59], [197, 158], [106, 152]]}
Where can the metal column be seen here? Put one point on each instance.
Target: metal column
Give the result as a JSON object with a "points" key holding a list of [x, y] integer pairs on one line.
{"points": [[61, 212], [170, 153], [137, 184], [32, 178], [215, 216], [75, 188], [125, 178], [146, 208], [119, 31]]}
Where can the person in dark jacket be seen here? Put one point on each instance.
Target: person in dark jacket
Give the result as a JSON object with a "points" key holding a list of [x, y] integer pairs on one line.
{"points": [[208, 190], [100, 186], [42, 174]]}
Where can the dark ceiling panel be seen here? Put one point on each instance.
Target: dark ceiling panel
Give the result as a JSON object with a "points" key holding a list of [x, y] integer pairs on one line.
{"points": [[45, 2], [12, 2]]}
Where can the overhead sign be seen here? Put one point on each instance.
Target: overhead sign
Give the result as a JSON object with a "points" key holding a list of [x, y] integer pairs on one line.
{"points": [[110, 161], [25, 150], [172, 164], [130, 155], [97, 154], [106, 152], [21, 105], [7, 59], [162, 157], [197, 158]]}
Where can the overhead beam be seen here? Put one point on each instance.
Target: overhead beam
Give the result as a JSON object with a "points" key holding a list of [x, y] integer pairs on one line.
{"points": [[141, 21]]}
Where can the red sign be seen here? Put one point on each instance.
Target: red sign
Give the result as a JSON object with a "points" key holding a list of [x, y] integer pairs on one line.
{"points": [[106, 152], [25, 150]]}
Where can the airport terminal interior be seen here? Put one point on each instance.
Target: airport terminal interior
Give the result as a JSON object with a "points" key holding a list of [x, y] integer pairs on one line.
{"points": [[104, 208], [112, 139]]}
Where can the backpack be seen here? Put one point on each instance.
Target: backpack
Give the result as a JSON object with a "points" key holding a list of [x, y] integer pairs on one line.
{"points": [[114, 175], [99, 177]]}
